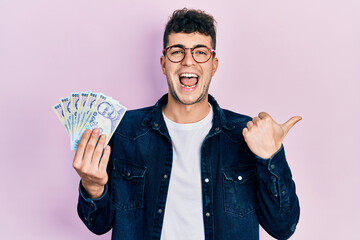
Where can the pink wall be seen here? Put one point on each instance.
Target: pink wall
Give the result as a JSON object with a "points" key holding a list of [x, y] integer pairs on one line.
{"points": [[284, 57]]}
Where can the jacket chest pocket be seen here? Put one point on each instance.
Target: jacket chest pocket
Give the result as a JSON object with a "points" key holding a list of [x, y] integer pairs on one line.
{"points": [[240, 190], [128, 183]]}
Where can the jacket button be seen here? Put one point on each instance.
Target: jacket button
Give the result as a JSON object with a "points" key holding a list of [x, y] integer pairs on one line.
{"points": [[272, 166], [217, 129], [160, 210], [165, 176], [283, 193], [240, 178], [207, 214], [206, 180], [156, 125]]}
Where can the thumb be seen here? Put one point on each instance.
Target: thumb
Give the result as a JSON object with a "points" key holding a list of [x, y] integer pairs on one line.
{"points": [[290, 123]]}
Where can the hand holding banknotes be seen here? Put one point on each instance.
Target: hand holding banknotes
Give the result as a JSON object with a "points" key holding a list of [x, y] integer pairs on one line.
{"points": [[90, 162], [90, 119]]}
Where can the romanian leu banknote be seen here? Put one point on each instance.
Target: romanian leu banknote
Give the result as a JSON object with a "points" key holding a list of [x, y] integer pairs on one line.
{"points": [[88, 110]]}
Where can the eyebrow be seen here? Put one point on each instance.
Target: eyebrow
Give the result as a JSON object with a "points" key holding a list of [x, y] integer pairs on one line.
{"points": [[182, 46]]}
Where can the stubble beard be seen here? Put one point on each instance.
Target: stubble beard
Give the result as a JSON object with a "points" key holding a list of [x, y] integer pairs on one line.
{"points": [[201, 98]]}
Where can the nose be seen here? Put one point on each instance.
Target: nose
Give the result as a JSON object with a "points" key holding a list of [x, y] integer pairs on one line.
{"points": [[188, 59]]}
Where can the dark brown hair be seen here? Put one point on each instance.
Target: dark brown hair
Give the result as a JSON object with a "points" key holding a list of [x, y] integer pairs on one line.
{"points": [[189, 21]]}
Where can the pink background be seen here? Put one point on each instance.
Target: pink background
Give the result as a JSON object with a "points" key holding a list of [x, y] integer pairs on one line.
{"points": [[284, 57]]}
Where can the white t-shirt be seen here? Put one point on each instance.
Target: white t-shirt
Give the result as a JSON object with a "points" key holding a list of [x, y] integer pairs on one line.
{"points": [[183, 217]]}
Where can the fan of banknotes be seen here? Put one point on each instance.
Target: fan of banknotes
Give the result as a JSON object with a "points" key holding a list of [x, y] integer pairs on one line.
{"points": [[88, 110]]}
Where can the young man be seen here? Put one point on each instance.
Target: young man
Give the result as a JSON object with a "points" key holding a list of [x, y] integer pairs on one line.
{"points": [[185, 168]]}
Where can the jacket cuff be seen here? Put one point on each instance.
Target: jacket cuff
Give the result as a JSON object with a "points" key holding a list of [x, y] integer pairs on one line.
{"points": [[87, 207], [276, 165], [276, 174]]}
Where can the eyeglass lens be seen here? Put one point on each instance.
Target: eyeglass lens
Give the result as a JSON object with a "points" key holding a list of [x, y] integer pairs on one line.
{"points": [[200, 54]]}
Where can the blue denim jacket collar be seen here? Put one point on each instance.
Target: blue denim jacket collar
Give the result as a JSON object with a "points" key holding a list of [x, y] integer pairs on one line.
{"points": [[156, 120]]}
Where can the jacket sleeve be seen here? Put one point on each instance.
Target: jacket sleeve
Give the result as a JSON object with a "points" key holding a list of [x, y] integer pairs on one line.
{"points": [[96, 214], [279, 209]]}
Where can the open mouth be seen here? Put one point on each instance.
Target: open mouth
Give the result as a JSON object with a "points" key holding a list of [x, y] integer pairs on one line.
{"points": [[188, 80]]}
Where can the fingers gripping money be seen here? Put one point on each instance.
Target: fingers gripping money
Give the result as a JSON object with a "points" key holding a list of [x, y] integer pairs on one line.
{"points": [[90, 162]]}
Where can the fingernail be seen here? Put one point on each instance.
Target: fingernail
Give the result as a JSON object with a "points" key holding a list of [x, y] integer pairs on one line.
{"points": [[96, 130]]}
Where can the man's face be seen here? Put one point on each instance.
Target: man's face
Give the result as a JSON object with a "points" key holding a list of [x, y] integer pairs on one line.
{"points": [[182, 88]]}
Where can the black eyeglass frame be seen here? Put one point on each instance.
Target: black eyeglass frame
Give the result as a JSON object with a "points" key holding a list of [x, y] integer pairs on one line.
{"points": [[212, 52]]}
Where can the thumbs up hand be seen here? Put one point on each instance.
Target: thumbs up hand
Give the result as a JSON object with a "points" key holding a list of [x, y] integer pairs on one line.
{"points": [[264, 136]]}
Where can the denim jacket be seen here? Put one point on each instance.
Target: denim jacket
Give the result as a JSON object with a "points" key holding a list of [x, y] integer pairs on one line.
{"points": [[240, 192]]}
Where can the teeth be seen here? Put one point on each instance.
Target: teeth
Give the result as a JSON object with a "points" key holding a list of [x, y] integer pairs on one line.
{"points": [[189, 75], [188, 86]]}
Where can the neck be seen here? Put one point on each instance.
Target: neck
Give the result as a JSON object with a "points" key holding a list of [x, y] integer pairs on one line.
{"points": [[181, 113]]}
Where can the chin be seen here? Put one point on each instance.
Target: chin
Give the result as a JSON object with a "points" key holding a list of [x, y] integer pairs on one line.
{"points": [[191, 100]]}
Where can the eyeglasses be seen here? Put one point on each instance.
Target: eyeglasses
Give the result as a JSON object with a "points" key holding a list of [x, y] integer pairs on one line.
{"points": [[177, 53]]}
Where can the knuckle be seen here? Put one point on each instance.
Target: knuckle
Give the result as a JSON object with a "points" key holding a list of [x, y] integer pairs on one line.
{"points": [[95, 134], [246, 134], [104, 158], [82, 169], [81, 145], [76, 166], [89, 146], [104, 180], [86, 171], [257, 121], [267, 119], [98, 151], [84, 138], [100, 145], [107, 152], [102, 138]]}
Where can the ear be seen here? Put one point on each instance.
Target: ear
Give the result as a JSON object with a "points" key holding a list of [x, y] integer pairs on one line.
{"points": [[162, 63], [215, 63]]}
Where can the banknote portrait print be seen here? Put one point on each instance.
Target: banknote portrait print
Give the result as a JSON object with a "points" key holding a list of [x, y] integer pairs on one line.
{"points": [[109, 112]]}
